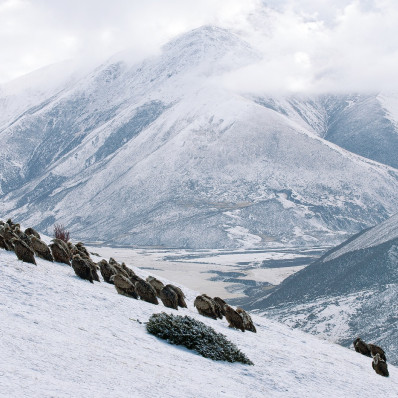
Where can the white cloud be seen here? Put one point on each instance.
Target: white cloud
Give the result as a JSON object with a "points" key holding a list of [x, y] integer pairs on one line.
{"points": [[308, 45], [353, 47], [35, 33]]}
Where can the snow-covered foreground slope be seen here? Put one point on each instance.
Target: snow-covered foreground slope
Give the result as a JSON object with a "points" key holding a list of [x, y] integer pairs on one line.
{"points": [[162, 153], [64, 337], [351, 290]]}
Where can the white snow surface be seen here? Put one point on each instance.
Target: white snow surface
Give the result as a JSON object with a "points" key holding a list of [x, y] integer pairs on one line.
{"points": [[389, 101], [375, 236], [161, 153], [64, 337]]}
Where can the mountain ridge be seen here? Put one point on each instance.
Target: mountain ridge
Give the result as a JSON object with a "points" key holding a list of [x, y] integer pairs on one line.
{"points": [[350, 291], [160, 153]]}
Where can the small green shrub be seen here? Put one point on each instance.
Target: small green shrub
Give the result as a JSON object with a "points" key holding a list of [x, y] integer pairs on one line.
{"points": [[195, 335]]}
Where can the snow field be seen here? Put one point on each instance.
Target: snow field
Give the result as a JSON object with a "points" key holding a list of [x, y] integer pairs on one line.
{"points": [[64, 337]]}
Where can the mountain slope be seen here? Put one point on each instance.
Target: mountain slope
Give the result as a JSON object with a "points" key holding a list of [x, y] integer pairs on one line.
{"points": [[160, 153], [351, 290], [66, 337]]}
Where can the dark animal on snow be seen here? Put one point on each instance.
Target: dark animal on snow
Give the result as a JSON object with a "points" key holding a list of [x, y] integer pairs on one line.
{"points": [[124, 286], [80, 246], [380, 366], [156, 284], [129, 271], [118, 267], [11, 224], [362, 347], [82, 268], [93, 268], [23, 251], [59, 253], [206, 306], [169, 298], [64, 245], [233, 318], [22, 236], [5, 245], [107, 271], [247, 320], [146, 291], [180, 295], [220, 303], [40, 248], [375, 349], [217, 308], [8, 235], [31, 231], [72, 248]]}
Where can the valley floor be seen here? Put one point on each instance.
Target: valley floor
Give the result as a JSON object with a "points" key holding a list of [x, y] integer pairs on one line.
{"points": [[225, 273], [64, 337]]}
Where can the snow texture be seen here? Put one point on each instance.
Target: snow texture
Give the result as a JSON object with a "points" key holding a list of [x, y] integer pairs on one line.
{"points": [[350, 291], [64, 337], [160, 153]]}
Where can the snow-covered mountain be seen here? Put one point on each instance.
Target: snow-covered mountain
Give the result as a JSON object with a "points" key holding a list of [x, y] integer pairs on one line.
{"points": [[161, 153], [350, 291], [65, 337]]}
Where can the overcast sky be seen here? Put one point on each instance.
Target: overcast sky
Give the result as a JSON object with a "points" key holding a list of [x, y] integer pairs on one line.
{"points": [[307, 44]]}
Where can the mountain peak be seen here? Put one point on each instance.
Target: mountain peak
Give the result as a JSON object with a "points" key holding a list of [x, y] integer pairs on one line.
{"points": [[204, 34], [217, 48]]}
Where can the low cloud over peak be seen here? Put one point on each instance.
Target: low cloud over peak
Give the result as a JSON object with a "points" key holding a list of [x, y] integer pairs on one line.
{"points": [[307, 46]]}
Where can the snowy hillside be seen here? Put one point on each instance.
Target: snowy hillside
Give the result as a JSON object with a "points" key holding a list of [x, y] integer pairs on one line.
{"points": [[160, 153], [65, 337], [36, 89], [351, 290], [365, 124]]}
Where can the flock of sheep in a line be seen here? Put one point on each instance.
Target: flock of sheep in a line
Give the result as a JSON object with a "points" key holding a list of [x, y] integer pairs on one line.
{"points": [[26, 244]]}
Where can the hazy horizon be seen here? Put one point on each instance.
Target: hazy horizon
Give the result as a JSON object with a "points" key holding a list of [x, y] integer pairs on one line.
{"points": [[317, 47]]}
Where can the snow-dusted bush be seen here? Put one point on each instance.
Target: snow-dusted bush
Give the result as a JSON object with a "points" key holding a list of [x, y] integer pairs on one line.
{"points": [[195, 335]]}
